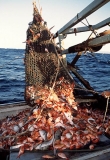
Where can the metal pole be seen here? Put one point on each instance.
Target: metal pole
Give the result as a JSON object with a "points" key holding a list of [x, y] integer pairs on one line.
{"points": [[98, 41], [95, 5], [88, 28]]}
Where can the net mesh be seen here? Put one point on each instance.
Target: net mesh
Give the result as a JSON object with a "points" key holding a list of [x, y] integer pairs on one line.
{"points": [[42, 62]]}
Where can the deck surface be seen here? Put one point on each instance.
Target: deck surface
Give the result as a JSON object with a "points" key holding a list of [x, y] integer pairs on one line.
{"points": [[102, 154], [12, 109], [99, 155]]}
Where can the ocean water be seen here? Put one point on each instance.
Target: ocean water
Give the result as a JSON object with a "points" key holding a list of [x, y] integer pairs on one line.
{"points": [[12, 75], [95, 68]]}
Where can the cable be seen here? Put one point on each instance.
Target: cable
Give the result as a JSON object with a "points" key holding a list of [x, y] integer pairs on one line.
{"points": [[39, 5], [106, 110]]}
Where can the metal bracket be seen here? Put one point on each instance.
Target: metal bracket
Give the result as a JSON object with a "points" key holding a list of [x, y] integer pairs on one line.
{"points": [[61, 38], [88, 28]]}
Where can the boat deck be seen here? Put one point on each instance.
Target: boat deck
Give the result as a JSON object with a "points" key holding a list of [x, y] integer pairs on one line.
{"points": [[102, 151], [98, 155]]}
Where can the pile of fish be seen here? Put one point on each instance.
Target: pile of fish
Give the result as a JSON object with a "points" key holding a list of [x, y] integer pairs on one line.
{"points": [[56, 122]]}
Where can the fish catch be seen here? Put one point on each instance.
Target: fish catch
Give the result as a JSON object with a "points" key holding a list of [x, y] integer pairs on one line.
{"points": [[56, 121], [54, 124]]}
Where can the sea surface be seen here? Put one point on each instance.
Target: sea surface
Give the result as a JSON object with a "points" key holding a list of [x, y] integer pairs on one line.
{"points": [[94, 67]]}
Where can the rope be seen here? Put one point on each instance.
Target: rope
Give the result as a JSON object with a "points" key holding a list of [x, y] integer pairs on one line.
{"points": [[64, 66], [39, 5], [106, 110], [91, 29], [89, 26], [57, 70]]}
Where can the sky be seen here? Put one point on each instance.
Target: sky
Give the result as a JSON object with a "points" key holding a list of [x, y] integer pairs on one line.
{"points": [[16, 14]]}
